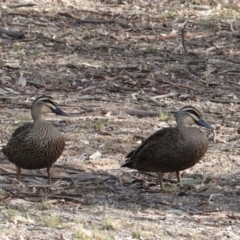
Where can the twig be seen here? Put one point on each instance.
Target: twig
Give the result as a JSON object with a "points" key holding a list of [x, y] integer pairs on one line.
{"points": [[179, 86], [183, 42], [171, 94], [22, 5], [37, 85], [137, 113], [78, 21], [224, 101], [11, 34], [88, 89]]}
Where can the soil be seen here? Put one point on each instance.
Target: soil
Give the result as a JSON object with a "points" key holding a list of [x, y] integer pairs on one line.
{"points": [[121, 69]]}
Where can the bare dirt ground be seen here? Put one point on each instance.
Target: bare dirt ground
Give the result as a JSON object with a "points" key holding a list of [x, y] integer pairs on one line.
{"points": [[103, 60]]}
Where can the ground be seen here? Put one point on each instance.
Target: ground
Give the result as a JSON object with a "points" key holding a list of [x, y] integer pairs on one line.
{"points": [[121, 69]]}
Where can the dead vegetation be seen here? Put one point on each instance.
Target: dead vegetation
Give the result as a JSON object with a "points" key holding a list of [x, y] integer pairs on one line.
{"points": [[105, 62]]}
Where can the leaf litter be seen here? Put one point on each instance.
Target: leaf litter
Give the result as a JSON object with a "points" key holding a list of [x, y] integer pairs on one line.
{"points": [[122, 69]]}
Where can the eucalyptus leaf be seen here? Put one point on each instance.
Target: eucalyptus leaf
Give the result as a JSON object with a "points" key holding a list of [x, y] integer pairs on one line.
{"points": [[3, 91], [176, 211], [11, 90]]}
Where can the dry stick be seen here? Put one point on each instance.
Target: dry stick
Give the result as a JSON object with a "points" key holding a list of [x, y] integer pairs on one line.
{"points": [[66, 14], [3, 169], [172, 84], [94, 21], [149, 204], [154, 101], [88, 99], [107, 46], [115, 88], [214, 136], [171, 94], [142, 27], [137, 113], [148, 174], [37, 85], [22, 5], [41, 175], [236, 85], [165, 179], [26, 14], [7, 98], [88, 89], [11, 34], [56, 196], [231, 27], [52, 39], [224, 118], [224, 101], [179, 86], [183, 42]]}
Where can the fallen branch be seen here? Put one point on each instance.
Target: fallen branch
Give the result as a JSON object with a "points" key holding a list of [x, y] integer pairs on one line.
{"points": [[78, 21], [22, 5], [183, 42], [224, 101], [11, 34], [136, 113]]}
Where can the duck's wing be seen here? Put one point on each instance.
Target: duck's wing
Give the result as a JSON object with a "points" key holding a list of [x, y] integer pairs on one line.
{"points": [[149, 144], [22, 128], [18, 142]]}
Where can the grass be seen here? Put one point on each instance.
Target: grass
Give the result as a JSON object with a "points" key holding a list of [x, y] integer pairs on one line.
{"points": [[111, 224], [140, 215], [16, 47], [163, 116], [52, 221], [25, 117], [99, 124], [81, 235], [137, 233], [14, 214], [45, 204], [102, 235], [40, 205], [149, 50]]}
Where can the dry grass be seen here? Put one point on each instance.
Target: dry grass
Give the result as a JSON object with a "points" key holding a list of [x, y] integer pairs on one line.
{"points": [[123, 67]]}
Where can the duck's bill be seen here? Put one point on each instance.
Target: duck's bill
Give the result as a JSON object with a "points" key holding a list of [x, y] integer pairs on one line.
{"points": [[202, 123], [59, 111]]}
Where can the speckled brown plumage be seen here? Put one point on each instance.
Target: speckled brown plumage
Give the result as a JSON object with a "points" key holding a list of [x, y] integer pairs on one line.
{"points": [[39, 144], [172, 149]]}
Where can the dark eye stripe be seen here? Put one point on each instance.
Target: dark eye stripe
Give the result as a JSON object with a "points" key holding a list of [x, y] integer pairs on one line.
{"points": [[45, 99], [192, 111]]}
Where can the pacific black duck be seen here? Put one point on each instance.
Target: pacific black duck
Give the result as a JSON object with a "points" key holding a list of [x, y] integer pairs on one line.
{"points": [[172, 149], [39, 144]]}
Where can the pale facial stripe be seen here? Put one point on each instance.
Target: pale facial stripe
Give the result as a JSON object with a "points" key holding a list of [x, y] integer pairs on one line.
{"points": [[193, 112]]}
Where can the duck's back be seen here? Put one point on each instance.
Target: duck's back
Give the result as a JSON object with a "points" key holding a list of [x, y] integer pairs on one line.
{"points": [[22, 128], [169, 150], [35, 146]]}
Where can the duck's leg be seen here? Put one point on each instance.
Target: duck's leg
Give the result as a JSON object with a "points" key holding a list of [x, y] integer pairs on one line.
{"points": [[160, 180], [18, 172], [179, 178], [49, 175]]}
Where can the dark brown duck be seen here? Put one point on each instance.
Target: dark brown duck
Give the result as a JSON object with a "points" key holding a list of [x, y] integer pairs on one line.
{"points": [[39, 144], [172, 149]]}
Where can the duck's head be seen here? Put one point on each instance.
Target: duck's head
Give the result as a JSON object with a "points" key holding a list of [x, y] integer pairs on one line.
{"points": [[43, 105], [188, 115]]}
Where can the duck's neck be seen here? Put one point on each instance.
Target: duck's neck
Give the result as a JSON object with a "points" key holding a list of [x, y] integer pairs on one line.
{"points": [[40, 122], [37, 117]]}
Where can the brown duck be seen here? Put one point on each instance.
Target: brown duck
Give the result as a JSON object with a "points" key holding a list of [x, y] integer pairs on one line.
{"points": [[39, 144], [172, 149]]}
